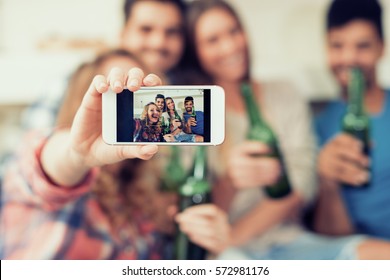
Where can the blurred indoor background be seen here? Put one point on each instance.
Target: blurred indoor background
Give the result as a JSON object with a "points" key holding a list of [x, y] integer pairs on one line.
{"points": [[42, 41]]}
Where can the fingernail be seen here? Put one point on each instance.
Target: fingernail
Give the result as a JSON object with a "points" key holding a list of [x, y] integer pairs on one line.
{"points": [[149, 79], [117, 84], [134, 83], [102, 85], [364, 177]]}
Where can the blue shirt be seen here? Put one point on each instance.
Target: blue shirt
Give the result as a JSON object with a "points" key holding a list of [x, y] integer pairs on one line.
{"points": [[199, 127], [368, 208]]}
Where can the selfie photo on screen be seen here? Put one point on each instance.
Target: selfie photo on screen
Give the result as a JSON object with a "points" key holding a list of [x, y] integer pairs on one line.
{"points": [[174, 116]]}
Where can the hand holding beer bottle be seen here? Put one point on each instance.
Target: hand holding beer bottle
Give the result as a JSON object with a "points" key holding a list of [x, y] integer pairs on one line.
{"points": [[177, 121], [165, 125], [195, 191], [356, 122], [345, 158], [260, 131]]}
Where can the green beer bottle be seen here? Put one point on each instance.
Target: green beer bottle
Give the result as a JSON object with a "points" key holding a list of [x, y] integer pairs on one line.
{"points": [[259, 130], [165, 126], [195, 191], [193, 114], [174, 174], [356, 122], [177, 116]]}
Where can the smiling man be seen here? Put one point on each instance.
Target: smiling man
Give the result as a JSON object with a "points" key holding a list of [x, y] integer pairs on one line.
{"points": [[355, 39], [153, 31], [194, 120]]}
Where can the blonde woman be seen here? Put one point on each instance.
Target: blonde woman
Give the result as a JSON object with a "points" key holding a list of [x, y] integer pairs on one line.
{"points": [[148, 127]]}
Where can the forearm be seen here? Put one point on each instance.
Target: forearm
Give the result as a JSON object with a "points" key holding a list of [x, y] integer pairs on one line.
{"points": [[60, 163], [263, 217], [331, 217]]}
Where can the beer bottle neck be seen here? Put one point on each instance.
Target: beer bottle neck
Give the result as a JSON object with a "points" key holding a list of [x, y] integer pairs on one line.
{"points": [[200, 164], [253, 111], [356, 91], [197, 182]]}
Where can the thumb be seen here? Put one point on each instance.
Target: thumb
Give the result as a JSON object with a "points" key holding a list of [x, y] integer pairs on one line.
{"points": [[147, 151], [143, 152], [172, 210]]}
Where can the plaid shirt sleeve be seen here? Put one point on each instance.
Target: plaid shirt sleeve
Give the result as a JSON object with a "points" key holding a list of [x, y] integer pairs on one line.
{"points": [[25, 180], [40, 220]]}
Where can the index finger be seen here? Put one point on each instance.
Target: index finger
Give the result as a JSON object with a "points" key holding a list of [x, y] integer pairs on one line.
{"points": [[346, 140], [98, 86], [135, 77], [253, 148], [152, 80], [203, 209], [356, 157], [116, 79]]}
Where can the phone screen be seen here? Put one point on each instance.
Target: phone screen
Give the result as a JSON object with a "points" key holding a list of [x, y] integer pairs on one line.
{"points": [[168, 115]]}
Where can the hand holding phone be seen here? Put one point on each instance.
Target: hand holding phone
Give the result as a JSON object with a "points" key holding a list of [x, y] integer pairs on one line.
{"points": [[70, 153], [137, 118]]}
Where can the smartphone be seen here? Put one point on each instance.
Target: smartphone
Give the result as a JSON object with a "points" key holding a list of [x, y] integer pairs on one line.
{"points": [[166, 115]]}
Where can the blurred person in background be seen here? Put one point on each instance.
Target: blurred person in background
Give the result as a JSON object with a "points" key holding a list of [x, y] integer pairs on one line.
{"points": [[71, 196], [159, 33], [152, 31], [355, 38], [261, 228]]}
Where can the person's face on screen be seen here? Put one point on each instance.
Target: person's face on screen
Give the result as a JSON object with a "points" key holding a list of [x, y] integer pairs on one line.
{"points": [[154, 34], [153, 113], [188, 106], [354, 44], [221, 45], [160, 103], [170, 104]]}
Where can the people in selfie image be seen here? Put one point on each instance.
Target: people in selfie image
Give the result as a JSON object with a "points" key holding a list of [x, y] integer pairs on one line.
{"points": [[89, 200], [175, 117], [260, 227], [355, 38], [148, 127], [160, 102], [193, 120]]}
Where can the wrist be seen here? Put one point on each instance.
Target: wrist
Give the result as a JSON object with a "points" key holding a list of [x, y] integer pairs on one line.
{"points": [[62, 165], [78, 162], [328, 185]]}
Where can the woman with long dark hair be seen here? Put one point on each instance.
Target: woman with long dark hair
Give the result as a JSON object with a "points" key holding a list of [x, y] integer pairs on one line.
{"points": [[262, 227]]}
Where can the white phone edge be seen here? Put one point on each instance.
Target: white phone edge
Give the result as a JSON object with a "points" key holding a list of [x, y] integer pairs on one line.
{"points": [[217, 116]]}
